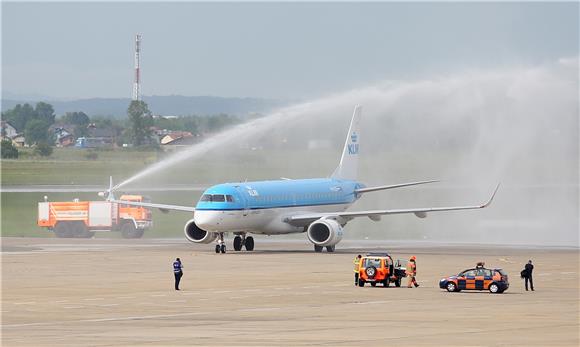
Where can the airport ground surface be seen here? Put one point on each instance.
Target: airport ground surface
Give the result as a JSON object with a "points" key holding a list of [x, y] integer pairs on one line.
{"points": [[100, 292]]}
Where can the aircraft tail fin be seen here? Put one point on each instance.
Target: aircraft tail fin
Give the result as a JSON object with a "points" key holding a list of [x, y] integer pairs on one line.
{"points": [[348, 167]]}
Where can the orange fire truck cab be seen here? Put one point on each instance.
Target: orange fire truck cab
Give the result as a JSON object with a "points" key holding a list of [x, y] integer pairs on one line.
{"points": [[83, 218]]}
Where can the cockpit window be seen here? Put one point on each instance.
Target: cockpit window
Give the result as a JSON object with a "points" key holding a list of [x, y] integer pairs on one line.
{"points": [[218, 198]]}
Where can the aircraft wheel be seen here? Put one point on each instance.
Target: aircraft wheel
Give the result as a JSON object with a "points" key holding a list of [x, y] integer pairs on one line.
{"points": [[318, 249], [217, 248], [330, 249], [223, 248], [237, 243], [249, 243]]}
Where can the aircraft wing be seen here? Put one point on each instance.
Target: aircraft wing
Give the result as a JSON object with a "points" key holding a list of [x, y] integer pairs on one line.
{"points": [[162, 207], [375, 215]]}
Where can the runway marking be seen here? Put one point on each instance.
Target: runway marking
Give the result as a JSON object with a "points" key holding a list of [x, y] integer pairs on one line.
{"points": [[567, 273], [258, 309], [310, 287], [25, 303], [72, 307], [125, 297], [177, 301], [158, 295], [223, 291], [371, 302], [239, 297], [58, 301], [94, 299], [115, 319], [108, 305]]}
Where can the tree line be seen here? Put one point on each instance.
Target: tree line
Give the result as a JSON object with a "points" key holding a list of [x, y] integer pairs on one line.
{"points": [[34, 123]]}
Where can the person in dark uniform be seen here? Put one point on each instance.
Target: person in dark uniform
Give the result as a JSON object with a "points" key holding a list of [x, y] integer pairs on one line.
{"points": [[529, 268], [177, 271]]}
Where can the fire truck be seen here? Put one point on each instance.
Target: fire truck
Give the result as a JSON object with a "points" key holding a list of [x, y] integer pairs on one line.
{"points": [[82, 219]]}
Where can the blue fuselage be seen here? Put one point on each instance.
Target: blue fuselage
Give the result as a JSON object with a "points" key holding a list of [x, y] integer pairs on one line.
{"points": [[260, 206]]}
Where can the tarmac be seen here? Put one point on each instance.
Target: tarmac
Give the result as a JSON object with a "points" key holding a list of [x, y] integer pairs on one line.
{"points": [[114, 292]]}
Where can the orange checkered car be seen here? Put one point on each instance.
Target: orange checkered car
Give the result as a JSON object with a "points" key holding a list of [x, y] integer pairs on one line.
{"points": [[480, 278]]}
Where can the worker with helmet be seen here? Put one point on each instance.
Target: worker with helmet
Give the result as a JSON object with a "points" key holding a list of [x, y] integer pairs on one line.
{"points": [[412, 272], [356, 263]]}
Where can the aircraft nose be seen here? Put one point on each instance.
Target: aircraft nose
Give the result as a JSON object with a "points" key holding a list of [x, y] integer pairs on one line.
{"points": [[206, 220]]}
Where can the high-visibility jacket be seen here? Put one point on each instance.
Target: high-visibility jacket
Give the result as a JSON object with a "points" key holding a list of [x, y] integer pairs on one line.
{"points": [[411, 268], [356, 263]]}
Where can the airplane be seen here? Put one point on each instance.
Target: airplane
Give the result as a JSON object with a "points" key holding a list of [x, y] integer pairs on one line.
{"points": [[317, 206]]}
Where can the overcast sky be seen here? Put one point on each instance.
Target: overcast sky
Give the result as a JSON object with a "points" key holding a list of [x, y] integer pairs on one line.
{"points": [[282, 50]]}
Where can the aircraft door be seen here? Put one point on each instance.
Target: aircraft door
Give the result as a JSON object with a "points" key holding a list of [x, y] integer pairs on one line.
{"points": [[243, 200]]}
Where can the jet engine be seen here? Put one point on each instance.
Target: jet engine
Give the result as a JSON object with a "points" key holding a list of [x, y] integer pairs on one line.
{"points": [[325, 232], [195, 234]]}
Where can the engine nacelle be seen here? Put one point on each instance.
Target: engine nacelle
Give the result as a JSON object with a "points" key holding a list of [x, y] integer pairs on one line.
{"points": [[195, 234], [325, 232]]}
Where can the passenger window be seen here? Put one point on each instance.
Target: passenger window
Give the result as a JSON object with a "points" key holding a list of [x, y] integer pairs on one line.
{"points": [[488, 273]]}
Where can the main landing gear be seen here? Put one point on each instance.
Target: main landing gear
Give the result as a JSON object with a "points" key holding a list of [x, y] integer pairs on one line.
{"points": [[329, 249], [240, 241], [243, 240]]}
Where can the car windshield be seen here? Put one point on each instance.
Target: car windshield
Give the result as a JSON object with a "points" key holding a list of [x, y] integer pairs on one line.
{"points": [[502, 272]]}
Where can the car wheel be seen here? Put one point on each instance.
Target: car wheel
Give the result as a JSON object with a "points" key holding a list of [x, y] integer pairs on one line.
{"points": [[386, 283], [451, 287], [398, 282], [361, 283], [494, 288]]}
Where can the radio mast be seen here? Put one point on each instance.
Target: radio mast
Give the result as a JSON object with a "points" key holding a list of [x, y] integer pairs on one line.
{"points": [[137, 83]]}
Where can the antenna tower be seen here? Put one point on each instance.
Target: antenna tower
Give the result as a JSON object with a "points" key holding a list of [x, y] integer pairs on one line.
{"points": [[137, 83]]}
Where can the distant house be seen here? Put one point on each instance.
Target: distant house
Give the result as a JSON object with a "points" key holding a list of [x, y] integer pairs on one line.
{"points": [[178, 138], [8, 131], [98, 137], [19, 141], [64, 135]]}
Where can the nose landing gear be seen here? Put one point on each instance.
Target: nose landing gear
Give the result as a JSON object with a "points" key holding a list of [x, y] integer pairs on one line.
{"points": [[221, 246]]}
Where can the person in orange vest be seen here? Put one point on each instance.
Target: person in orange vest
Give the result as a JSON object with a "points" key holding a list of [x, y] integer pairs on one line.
{"points": [[356, 263], [412, 272]]}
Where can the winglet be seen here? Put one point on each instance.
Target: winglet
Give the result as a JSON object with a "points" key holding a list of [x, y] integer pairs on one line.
{"points": [[491, 198]]}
